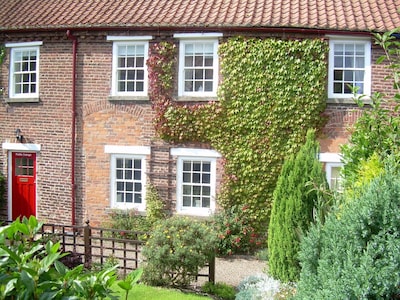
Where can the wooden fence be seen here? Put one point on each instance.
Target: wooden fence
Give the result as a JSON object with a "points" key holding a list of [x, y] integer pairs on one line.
{"points": [[94, 245]]}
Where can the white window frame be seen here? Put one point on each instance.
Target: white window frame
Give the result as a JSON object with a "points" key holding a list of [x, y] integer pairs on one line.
{"points": [[14, 49], [202, 155], [197, 38], [130, 152], [367, 65], [122, 41], [331, 160]]}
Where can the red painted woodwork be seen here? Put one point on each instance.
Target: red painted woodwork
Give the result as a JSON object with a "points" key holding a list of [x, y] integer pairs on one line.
{"points": [[23, 184]]}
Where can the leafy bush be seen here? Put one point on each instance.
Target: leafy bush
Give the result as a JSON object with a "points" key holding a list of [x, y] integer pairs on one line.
{"points": [[221, 290], [31, 270], [128, 220], [177, 248], [154, 205], [235, 231], [293, 208], [356, 255]]}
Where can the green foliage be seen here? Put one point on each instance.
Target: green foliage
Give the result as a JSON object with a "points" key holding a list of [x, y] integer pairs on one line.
{"points": [[145, 292], [30, 268], [376, 131], [236, 234], [177, 248], [128, 220], [220, 290], [154, 205], [292, 210], [391, 45], [130, 281], [367, 170], [356, 255], [273, 92]]}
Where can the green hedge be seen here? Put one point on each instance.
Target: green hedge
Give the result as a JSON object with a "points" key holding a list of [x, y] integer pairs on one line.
{"points": [[356, 253]]}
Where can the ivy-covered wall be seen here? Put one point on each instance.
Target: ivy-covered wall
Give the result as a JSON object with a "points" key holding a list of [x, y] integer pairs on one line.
{"points": [[272, 92]]}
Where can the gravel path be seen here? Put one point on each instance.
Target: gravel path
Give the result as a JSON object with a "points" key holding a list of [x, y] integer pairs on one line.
{"points": [[232, 270]]}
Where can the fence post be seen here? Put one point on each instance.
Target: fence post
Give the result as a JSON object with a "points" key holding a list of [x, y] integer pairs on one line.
{"points": [[211, 270], [87, 232]]}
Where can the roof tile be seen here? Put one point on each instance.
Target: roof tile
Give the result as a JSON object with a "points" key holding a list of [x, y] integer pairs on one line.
{"points": [[356, 15]]}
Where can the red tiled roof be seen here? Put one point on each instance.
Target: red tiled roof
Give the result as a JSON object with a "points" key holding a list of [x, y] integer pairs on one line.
{"points": [[354, 15]]}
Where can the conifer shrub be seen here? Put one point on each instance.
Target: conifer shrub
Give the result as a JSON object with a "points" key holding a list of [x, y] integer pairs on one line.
{"points": [[176, 250], [292, 211], [356, 253]]}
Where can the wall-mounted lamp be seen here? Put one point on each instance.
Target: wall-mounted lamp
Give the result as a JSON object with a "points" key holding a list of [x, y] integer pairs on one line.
{"points": [[18, 135]]}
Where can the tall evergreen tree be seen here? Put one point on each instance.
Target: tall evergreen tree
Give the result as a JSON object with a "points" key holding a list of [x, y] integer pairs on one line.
{"points": [[294, 200]]}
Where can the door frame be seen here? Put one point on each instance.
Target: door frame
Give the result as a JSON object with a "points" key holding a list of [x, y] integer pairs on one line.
{"points": [[18, 147]]}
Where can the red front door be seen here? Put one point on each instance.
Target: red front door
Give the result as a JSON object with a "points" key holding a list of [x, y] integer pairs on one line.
{"points": [[23, 184]]}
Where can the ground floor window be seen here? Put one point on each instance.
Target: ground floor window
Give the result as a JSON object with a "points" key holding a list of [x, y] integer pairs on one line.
{"points": [[128, 177], [333, 167], [196, 180]]}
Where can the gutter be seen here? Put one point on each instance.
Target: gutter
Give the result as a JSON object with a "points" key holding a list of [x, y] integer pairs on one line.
{"points": [[73, 121], [200, 28]]}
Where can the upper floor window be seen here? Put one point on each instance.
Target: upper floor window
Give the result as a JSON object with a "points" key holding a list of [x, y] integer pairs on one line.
{"points": [[128, 180], [349, 67], [129, 71], [196, 180], [198, 64], [24, 70]]}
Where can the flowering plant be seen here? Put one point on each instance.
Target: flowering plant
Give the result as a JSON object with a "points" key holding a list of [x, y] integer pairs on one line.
{"points": [[235, 233]]}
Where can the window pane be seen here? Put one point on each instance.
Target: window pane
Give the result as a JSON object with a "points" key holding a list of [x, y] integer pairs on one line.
{"points": [[129, 197], [137, 164], [138, 187], [208, 86], [187, 177], [130, 62], [206, 191], [206, 178], [338, 88], [138, 198], [349, 62], [189, 49], [187, 189], [129, 187], [137, 175], [187, 166], [196, 190], [196, 166], [196, 202], [206, 202], [198, 61], [348, 75], [189, 61], [360, 62], [208, 61], [120, 197], [140, 62], [187, 201]]}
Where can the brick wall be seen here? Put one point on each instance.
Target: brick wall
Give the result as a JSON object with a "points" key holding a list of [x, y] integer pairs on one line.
{"points": [[102, 122]]}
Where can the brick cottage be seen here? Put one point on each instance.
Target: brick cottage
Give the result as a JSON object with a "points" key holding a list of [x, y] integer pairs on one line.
{"points": [[77, 127]]}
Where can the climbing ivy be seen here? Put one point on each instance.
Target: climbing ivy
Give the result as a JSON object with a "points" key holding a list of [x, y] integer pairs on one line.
{"points": [[272, 92]]}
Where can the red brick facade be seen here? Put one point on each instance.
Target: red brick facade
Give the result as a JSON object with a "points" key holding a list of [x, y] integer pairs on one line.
{"points": [[100, 122]]}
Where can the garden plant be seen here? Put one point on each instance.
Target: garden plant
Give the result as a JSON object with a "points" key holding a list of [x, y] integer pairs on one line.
{"points": [[176, 250]]}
